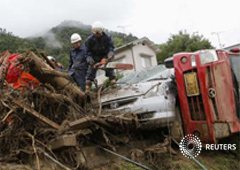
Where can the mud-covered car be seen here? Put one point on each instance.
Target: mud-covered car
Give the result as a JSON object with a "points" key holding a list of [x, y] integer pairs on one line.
{"points": [[150, 93]]}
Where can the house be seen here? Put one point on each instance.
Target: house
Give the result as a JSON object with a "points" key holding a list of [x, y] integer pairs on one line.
{"points": [[141, 53], [237, 45]]}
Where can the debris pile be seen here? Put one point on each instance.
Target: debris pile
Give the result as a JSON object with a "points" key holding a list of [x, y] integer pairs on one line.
{"points": [[33, 114], [46, 119], [42, 111]]}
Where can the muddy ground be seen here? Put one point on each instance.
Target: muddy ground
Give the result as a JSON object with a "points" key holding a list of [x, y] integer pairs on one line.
{"points": [[215, 160], [211, 160]]}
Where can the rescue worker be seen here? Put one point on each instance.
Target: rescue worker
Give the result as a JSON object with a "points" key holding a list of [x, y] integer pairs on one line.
{"points": [[100, 47], [58, 65], [78, 61]]}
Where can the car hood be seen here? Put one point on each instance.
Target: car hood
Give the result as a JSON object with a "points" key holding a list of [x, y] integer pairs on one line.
{"points": [[127, 91]]}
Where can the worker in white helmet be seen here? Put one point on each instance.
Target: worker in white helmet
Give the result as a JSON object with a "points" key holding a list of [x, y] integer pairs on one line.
{"points": [[100, 47], [57, 65], [78, 62]]}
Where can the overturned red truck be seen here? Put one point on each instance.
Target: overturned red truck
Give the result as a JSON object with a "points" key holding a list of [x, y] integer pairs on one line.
{"points": [[208, 84]]}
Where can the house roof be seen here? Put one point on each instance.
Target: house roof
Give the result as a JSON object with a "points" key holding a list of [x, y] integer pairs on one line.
{"points": [[231, 46], [144, 40]]}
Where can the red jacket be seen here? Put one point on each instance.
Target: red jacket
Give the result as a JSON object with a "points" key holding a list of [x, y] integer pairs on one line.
{"points": [[19, 77]]}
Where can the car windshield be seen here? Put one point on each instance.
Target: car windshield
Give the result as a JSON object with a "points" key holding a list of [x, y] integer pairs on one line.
{"points": [[165, 74], [143, 75]]}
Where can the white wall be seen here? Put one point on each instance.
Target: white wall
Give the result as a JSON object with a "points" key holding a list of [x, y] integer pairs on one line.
{"points": [[143, 50]]}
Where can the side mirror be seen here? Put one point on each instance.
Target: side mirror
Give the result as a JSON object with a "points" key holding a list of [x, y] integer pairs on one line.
{"points": [[168, 62]]}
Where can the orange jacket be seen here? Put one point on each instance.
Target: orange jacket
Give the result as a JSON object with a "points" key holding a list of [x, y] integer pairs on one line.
{"points": [[17, 76]]}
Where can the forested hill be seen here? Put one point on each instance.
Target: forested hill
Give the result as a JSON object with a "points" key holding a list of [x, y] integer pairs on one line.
{"points": [[56, 41], [13, 43]]}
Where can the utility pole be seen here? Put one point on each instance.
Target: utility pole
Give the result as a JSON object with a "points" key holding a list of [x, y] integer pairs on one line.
{"points": [[123, 30], [217, 33], [123, 27]]}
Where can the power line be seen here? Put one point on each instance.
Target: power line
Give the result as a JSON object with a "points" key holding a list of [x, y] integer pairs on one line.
{"points": [[123, 27], [219, 41]]}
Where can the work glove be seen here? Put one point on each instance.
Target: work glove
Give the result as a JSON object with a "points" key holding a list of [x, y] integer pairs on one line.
{"points": [[102, 62], [110, 55]]}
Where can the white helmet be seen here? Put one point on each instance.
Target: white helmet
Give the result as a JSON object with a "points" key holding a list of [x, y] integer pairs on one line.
{"points": [[75, 38], [51, 58], [97, 26]]}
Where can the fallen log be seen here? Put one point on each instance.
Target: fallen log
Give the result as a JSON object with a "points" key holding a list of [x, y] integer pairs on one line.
{"points": [[38, 69], [3, 64], [3, 57], [56, 73]]}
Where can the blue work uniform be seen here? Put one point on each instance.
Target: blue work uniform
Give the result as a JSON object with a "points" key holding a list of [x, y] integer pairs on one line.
{"points": [[97, 49], [78, 66], [60, 67]]}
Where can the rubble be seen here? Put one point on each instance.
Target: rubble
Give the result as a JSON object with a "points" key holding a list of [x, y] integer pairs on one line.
{"points": [[50, 119]]}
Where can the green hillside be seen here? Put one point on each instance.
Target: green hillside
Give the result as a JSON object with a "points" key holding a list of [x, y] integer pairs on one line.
{"points": [[56, 41], [13, 43]]}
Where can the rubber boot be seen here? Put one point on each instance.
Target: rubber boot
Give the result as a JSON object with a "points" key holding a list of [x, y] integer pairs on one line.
{"points": [[88, 86], [113, 83], [87, 89]]}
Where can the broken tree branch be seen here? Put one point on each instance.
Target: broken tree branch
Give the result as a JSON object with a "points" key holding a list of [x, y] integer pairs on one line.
{"points": [[3, 58], [36, 114], [3, 66], [34, 149], [54, 160], [5, 117], [47, 60], [99, 101]]}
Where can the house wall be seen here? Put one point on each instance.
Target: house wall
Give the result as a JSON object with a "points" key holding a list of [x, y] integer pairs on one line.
{"points": [[140, 51]]}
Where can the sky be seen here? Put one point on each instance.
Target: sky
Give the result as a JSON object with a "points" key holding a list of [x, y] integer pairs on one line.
{"points": [[155, 19]]}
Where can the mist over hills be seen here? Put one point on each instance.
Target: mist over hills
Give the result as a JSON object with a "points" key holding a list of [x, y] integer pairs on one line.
{"points": [[56, 41]]}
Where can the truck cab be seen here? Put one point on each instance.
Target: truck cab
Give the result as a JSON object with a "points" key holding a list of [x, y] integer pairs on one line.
{"points": [[208, 93]]}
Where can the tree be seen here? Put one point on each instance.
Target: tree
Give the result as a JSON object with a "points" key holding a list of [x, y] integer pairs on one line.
{"points": [[118, 42], [14, 44], [182, 42]]}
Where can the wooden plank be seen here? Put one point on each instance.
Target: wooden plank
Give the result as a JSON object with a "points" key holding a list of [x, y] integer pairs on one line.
{"points": [[81, 123], [102, 122], [88, 121], [36, 114], [63, 142]]}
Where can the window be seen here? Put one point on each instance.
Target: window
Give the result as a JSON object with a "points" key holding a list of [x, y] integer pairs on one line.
{"points": [[121, 60], [208, 56], [146, 61]]}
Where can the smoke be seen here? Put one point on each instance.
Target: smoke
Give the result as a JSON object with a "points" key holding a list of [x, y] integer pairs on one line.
{"points": [[51, 40], [72, 23]]}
